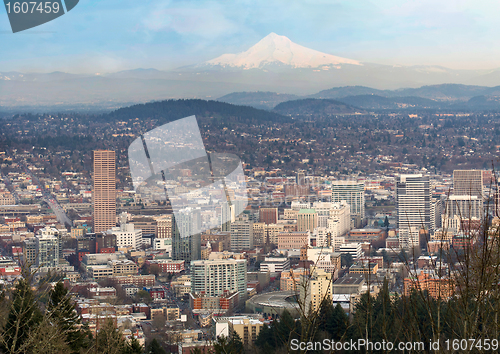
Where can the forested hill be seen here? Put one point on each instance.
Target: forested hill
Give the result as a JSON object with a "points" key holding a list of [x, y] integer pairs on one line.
{"points": [[312, 106], [170, 110]]}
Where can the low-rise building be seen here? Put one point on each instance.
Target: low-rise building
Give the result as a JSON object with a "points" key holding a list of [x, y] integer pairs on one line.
{"points": [[349, 284], [364, 268], [290, 280], [168, 265], [137, 280], [223, 304], [102, 293], [438, 287], [275, 264], [247, 328]]}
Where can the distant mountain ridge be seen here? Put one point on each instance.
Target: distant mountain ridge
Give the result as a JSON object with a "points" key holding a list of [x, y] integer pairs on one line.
{"points": [[436, 96], [313, 106], [260, 100], [275, 65]]}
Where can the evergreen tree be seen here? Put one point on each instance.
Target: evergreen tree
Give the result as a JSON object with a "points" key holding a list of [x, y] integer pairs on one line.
{"points": [[236, 343], [337, 324], [325, 314], [383, 315], [62, 310], [134, 347], [221, 346], [266, 340], [232, 345], [285, 328], [386, 223], [24, 316], [109, 340], [155, 348], [46, 338]]}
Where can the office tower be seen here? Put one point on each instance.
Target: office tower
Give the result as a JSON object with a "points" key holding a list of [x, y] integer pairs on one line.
{"points": [[268, 215], [214, 277], [307, 220], [413, 205], [146, 224], [186, 222], [259, 233], [323, 211], [413, 201], [29, 250], [300, 178], [52, 231], [334, 211], [468, 182], [324, 237], [353, 192], [340, 213], [293, 240], [47, 250], [464, 206], [272, 232], [163, 233], [104, 190], [227, 216], [409, 237], [436, 212], [242, 234], [462, 212], [127, 235], [164, 226], [239, 205], [354, 249], [315, 288]]}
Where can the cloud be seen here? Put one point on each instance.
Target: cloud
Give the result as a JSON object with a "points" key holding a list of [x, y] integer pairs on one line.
{"points": [[169, 33], [208, 22]]}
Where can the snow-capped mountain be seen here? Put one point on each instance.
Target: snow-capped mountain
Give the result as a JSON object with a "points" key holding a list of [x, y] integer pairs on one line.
{"points": [[274, 64], [275, 49]]}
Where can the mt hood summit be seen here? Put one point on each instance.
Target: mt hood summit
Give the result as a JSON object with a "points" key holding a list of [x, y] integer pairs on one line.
{"points": [[275, 49]]}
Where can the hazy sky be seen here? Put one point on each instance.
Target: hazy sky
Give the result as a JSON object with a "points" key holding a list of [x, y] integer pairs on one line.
{"points": [[112, 35]]}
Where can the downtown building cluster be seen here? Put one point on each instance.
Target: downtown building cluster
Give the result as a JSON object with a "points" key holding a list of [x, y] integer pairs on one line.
{"points": [[309, 236]]}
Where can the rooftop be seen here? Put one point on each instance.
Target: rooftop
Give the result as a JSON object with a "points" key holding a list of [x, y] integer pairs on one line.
{"points": [[350, 280]]}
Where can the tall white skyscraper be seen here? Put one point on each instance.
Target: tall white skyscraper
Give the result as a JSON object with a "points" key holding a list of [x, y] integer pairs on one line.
{"points": [[436, 213], [214, 277], [187, 222], [242, 234], [353, 192], [47, 250], [413, 202]]}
